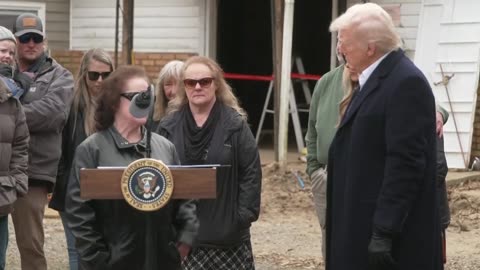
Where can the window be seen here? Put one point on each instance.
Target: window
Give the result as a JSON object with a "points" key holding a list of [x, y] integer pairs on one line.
{"points": [[9, 11]]}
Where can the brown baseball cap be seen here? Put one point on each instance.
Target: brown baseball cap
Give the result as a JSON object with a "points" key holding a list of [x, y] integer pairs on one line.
{"points": [[28, 23]]}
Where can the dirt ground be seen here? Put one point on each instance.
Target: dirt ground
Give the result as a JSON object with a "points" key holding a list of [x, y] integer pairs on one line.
{"points": [[287, 235]]}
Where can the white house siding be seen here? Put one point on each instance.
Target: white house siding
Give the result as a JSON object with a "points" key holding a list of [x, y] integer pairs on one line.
{"points": [[407, 23], [449, 36], [159, 25], [57, 23]]}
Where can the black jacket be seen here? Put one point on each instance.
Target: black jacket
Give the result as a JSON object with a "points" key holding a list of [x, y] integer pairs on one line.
{"points": [[111, 234], [442, 170], [73, 134], [225, 221]]}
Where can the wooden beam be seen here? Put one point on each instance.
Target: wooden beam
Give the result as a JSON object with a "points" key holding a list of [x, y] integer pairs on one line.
{"points": [[277, 36], [333, 39], [127, 33], [117, 18], [285, 82]]}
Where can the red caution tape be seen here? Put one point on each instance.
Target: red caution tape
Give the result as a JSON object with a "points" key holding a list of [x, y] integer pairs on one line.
{"points": [[248, 77], [306, 76]]}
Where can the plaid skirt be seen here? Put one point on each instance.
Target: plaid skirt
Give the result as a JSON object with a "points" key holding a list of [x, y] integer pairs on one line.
{"points": [[234, 258]]}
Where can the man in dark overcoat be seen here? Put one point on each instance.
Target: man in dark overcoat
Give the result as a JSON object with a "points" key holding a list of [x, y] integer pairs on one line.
{"points": [[381, 199]]}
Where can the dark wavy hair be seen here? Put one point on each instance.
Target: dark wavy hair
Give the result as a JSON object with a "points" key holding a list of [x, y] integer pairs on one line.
{"points": [[109, 98]]}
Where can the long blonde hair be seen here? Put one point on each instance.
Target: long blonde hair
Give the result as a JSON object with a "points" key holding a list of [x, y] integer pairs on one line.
{"points": [[82, 98], [172, 70], [223, 94], [349, 86]]}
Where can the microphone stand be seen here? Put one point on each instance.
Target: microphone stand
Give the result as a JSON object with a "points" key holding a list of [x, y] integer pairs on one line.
{"points": [[141, 104], [150, 233], [148, 149]]}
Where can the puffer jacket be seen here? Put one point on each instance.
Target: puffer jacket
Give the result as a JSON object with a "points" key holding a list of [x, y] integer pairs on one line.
{"points": [[46, 105], [14, 138]]}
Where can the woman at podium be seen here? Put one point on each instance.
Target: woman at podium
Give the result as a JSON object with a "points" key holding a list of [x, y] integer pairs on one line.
{"points": [[111, 234], [207, 126]]}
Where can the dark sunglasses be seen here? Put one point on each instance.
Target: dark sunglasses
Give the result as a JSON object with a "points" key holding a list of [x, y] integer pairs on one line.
{"points": [[204, 82], [129, 95], [30, 36], [94, 75]]}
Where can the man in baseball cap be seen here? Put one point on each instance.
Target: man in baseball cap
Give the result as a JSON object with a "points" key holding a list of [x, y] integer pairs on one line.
{"points": [[46, 105], [28, 29]]}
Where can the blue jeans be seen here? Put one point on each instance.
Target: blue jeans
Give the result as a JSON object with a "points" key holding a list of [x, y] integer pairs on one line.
{"points": [[3, 241], [72, 251]]}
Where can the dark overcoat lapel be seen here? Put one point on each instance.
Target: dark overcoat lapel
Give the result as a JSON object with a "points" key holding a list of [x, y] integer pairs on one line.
{"points": [[382, 70]]}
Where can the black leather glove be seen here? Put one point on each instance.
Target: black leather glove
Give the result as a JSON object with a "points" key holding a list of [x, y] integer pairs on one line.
{"points": [[6, 70], [380, 251], [23, 80]]}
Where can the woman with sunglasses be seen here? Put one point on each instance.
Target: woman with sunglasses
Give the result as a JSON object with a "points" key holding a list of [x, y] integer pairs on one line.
{"points": [[207, 126], [110, 234], [167, 85], [95, 66]]}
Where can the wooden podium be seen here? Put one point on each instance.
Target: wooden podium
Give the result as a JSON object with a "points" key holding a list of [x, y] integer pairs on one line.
{"points": [[190, 183]]}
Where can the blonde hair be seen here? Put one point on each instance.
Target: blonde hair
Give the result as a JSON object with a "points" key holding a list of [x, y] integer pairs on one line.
{"points": [[224, 92], [81, 95], [372, 24], [172, 70], [349, 89]]}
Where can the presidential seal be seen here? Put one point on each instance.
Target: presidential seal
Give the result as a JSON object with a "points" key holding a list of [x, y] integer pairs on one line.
{"points": [[147, 184]]}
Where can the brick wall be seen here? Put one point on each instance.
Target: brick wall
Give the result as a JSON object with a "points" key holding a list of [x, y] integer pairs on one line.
{"points": [[152, 62], [69, 59]]}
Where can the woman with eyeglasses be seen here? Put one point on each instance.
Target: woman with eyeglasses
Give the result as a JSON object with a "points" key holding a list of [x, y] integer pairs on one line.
{"points": [[207, 126], [95, 66], [111, 234], [167, 85]]}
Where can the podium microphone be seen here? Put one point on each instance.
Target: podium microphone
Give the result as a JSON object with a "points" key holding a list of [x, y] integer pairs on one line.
{"points": [[142, 106], [142, 103]]}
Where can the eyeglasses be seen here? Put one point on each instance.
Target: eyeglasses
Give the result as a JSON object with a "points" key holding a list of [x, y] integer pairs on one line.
{"points": [[94, 75], [192, 83], [130, 95], [30, 36]]}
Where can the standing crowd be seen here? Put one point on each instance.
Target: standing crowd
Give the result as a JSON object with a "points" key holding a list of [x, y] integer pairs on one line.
{"points": [[374, 141], [53, 125]]}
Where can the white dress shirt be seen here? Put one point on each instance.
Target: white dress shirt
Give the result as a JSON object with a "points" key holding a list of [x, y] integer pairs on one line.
{"points": [[362, 79]]}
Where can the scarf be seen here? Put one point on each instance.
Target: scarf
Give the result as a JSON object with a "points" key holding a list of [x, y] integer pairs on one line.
{"points": [[198, 139], [38, 64]]}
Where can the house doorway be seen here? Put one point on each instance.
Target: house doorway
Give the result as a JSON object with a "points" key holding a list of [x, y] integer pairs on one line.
{"points": [[244, 46]]}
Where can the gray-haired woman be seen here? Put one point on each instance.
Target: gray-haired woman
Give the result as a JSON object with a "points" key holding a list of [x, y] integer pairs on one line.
{"points": [[166, 88]]}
